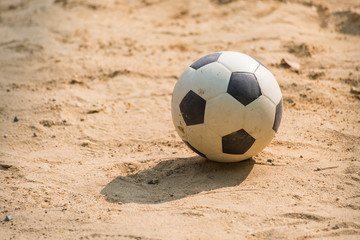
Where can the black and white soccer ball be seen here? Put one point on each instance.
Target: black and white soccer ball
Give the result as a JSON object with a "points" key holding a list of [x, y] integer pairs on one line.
{"points": [[227, 106]]}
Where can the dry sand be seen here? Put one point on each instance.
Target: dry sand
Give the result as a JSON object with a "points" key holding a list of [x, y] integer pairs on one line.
{"points": [[91, 81]]}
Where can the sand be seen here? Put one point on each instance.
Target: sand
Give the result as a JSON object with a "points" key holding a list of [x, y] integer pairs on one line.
{"points": [[90, 83]]}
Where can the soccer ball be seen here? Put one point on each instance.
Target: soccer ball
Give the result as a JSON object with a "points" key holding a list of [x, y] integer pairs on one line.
{"points": [[227, 106]]}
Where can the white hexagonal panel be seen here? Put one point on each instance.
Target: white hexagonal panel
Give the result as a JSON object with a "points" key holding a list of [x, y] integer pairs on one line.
{"points": [[238, 62], [259, 117], [224, 114], [211, 80], [178, 120], [183, 85], [260, 144], [203, 139], [268, 84]]}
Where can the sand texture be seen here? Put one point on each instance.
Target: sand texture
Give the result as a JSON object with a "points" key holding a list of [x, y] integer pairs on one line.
{"points": [[93, 153]]}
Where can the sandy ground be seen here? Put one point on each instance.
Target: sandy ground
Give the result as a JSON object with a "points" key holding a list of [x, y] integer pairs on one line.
{"points": [[91, 81]]}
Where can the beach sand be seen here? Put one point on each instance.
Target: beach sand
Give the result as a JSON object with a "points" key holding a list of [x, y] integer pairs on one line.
{"points": [[90, 85]]}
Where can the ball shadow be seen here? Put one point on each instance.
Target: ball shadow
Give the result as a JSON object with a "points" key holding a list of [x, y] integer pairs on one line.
{"points": [[175, 179]]}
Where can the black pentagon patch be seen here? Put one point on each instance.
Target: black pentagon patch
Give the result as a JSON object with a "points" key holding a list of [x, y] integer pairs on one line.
{"points": [[237, 142], [278, 115], [194, 149], [192, 108], [213, 57], [244, 87]]}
